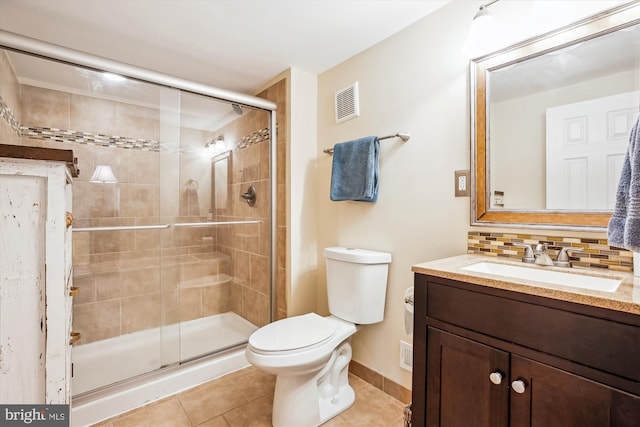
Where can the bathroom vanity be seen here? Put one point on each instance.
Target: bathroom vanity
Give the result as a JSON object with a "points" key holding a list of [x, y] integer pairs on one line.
{"points": [[499, 351]]}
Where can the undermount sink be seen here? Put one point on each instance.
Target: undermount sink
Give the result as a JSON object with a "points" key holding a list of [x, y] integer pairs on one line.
{"points": [[553, 277]]}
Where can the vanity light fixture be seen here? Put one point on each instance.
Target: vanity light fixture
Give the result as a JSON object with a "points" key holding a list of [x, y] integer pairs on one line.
{"points": [[215, 146], [483, 33], [103, 174]]}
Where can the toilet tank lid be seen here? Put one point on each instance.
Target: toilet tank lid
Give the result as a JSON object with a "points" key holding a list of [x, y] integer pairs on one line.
{"points": [[360, 256]]}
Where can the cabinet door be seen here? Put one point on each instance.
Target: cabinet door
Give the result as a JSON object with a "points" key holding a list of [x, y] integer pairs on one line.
{"points": [[553, 397], [459, 389]]}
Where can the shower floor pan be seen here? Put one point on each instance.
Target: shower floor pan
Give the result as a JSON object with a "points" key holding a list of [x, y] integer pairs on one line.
{"points": [[112, 360]]}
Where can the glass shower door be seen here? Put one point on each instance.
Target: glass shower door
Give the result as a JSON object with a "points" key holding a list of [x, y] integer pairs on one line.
{"points": [[222, 243]]}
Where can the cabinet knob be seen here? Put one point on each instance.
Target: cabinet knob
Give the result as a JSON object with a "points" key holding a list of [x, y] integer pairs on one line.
{"points": [[496, 377], [518, 386]]}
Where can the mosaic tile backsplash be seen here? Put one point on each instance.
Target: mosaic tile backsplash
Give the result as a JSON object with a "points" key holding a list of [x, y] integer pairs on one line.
{"points": [[597, 252]]}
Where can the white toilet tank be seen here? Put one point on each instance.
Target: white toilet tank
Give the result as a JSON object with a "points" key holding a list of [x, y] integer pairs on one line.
{"points": [[357, 283]]}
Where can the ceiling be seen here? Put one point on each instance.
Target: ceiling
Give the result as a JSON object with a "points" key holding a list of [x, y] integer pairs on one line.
{"points": [[232, 44]]}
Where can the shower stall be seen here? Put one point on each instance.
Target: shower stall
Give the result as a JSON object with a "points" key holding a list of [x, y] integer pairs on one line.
{"points": [[173, 235]]}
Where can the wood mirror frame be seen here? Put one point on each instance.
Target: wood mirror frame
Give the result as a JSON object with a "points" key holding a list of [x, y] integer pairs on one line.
{"points": [[595, 26]]}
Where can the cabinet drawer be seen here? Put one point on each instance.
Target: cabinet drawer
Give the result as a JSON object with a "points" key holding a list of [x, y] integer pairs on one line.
{"points": [[583, 339]]}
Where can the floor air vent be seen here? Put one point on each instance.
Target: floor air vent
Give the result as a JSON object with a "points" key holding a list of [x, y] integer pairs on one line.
{"points": [[347, 103]]}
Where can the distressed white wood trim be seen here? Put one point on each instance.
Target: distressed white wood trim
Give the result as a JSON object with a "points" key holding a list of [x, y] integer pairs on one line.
{"points": [[22, 288], [57, 276]]}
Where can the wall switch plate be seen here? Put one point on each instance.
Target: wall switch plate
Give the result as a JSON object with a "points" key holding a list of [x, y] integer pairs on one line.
{"points": [[406, 356], [462, 183]]}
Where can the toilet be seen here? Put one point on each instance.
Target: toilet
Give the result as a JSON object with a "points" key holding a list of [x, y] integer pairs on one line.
{"points": [[310, 354]]}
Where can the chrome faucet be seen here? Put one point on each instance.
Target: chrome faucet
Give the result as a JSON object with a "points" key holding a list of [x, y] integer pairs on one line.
{"points": [[541, 255], [563, 257], [528, 253]]}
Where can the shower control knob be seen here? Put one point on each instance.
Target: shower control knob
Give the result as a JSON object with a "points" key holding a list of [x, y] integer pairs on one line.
{"points": [[250, 195], [496, 377]]}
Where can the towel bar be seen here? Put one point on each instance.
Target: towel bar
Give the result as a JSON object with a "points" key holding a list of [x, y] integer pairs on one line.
{"points": [[404, 136]]}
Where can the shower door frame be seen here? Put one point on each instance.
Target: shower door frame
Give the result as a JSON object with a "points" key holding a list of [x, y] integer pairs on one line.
{"points": [[19, 43]]}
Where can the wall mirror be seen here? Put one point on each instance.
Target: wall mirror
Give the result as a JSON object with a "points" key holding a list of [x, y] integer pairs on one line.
{"points": [[220, 179], [551, 118]]}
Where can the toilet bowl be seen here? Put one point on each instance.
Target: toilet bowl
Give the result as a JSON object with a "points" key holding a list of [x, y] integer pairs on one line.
{"points": [[310, 354]]}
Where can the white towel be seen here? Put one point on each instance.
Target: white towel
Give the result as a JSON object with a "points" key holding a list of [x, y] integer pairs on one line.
{"points": [[189, 203]]}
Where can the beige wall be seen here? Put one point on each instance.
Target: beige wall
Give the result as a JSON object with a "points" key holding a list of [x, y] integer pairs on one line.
{"points": [[303, 180], [415, 81]]}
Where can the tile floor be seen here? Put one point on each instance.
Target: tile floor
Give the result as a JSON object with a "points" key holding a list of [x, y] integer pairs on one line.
{"points": [[244, 399]]}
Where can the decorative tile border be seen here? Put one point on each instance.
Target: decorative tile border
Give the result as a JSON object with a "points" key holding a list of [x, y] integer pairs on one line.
{"points": [[63, 135], [256, 137], [8, 116], [597, 252], [71, 136]]}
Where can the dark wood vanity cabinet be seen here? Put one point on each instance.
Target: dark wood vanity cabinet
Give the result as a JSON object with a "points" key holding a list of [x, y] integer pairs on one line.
{"points": [[458, 387], [495, 358]]}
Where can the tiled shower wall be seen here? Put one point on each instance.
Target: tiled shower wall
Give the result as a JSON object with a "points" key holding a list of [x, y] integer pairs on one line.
{"points": [[133, 280], [277, 93], [248, 245]]}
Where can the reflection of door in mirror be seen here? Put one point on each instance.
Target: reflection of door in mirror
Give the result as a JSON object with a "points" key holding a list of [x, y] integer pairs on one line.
{"points": [[585, 146], [521, 96], [220, 184]]}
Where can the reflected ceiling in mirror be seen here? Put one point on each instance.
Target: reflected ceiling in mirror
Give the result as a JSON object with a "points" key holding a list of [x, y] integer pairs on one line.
{"points": [[552, 117]]}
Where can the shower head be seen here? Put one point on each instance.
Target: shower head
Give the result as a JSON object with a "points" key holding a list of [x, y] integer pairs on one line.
{"points": [[237, 108]]}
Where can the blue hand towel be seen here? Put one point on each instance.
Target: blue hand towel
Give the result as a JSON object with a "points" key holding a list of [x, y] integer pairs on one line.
{"points": [[624, 225], [354, 173]]}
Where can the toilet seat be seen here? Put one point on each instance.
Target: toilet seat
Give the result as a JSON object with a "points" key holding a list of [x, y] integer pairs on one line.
{"points": [[293, 333]]}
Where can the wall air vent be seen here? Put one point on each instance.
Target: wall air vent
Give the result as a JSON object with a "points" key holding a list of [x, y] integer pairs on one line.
{"points": [[347, 103]]}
